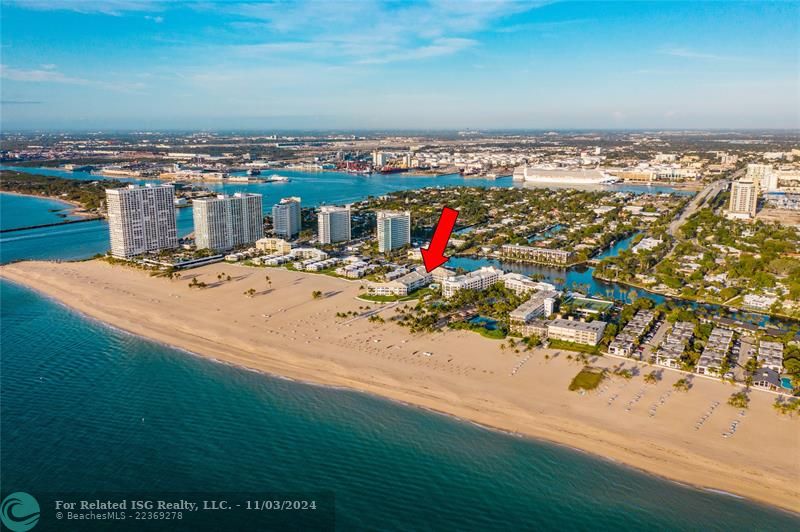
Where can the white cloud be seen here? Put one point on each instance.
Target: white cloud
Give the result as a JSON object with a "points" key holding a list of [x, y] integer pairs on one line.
{"points": [[106, 7], [50, 75], [543, 26], [693, 54], [370, 31], [437, 48]]}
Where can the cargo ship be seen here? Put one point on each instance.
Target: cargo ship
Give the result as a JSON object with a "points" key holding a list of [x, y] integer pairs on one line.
{"points": [[392, 170]]}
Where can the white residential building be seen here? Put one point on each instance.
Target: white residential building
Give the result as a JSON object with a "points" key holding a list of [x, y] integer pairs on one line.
{"points": [[671, 350], [536, 254], [758, 302], [770, 355], [744, 199], [480, 279], [542, 303], [333, 224], [226, 222], [715, 353], [761, 174], [286, 217], [647, 244], [380, 158], [394, 230], [441, 273], [275, 245], [141, 219], [627, 340], [579, 332], [401, 286], [521, 284]]}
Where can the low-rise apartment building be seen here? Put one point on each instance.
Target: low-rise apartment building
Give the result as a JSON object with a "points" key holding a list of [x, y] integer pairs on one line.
{"points": [[626, 341], [274, 245], [770, 355], [536, 254], [579, 332], [531, 328], [715, 352], [401, 286], [672, 348], [542, 303], [522, 284]]}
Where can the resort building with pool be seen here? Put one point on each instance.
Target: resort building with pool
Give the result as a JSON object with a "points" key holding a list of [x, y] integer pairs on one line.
{"points": [[480, 279]]}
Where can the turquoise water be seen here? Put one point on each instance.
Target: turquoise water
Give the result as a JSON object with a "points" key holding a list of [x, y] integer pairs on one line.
{"points": [[68, 242], [89, 408], [554, 230], [487, 323], [617, 247], [22, 211]]}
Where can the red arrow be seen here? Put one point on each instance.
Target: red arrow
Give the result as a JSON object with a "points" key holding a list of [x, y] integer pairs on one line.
{"points": [[433, 257]]}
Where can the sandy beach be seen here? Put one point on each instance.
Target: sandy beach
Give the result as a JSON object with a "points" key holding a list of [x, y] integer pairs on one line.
{"points": [[282, 330]]}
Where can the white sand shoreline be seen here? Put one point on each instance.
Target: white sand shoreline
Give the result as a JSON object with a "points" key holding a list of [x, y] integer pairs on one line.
{"points": [[432, 402], [405, 404]]}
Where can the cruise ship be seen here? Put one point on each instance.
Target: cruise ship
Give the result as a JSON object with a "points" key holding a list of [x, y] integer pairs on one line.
{"points": [[563, 176]]}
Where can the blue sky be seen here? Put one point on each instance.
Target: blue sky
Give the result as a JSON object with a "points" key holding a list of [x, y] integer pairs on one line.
{"points": [[150, 64]]}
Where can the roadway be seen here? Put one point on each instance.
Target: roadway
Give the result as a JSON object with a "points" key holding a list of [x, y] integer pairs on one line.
{"points": [[699, 200]]}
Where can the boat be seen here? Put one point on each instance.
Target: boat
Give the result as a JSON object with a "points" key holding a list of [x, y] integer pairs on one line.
{"points": [[254, 171], [276, 178]]}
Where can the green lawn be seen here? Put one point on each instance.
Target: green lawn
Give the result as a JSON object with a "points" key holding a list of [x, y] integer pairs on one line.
{"points": [[587, 379], [496, 334], [572, 346], [388, 299], [380, 299]]}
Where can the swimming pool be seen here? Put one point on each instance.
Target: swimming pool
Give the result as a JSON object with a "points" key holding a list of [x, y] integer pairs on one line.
{"points": [[487, 323]]}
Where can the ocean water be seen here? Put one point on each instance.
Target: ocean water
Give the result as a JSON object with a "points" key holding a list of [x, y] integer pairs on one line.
{"points": [[87, 408], [16, 211]]}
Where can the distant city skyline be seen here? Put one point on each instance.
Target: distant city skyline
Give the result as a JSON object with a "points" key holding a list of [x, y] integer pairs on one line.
{"points": [[369, 65]]}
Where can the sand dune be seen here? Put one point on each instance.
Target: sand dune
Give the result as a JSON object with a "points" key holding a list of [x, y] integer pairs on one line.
{"points": [[283, 330]]}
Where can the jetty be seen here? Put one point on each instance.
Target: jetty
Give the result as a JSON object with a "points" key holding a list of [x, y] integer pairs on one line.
{"points": [[53, 224]]}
